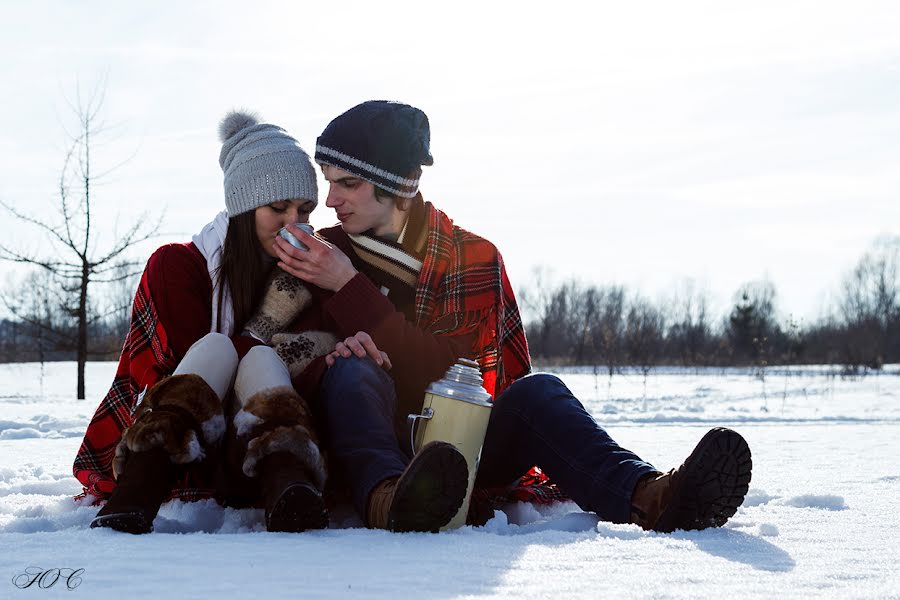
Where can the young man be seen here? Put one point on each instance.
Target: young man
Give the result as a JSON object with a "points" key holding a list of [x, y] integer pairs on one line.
{"points": [[410, 285]]}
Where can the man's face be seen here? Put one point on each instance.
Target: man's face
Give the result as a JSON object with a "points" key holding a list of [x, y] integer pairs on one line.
{"points": [[353, 199], [272, 217]]}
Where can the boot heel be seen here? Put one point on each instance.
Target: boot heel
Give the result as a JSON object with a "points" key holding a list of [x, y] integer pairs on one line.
{"points": [[293, 504]]}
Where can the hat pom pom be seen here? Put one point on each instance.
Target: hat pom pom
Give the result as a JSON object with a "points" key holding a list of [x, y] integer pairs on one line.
{"points": [[234, 122]]}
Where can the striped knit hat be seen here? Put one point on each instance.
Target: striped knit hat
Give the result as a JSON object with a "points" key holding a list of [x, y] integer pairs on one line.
{"points": [[382, 142], [262, 164]]}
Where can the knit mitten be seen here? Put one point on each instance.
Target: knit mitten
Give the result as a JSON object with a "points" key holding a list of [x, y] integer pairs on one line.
{"points": [[298, 350], [285, 298]]}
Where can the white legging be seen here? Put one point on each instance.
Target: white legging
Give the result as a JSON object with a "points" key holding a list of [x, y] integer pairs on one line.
{"points": [[214, 358]]}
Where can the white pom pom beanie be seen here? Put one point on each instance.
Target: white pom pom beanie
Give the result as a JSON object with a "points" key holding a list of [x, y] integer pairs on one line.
{"points": [[262, 164]]}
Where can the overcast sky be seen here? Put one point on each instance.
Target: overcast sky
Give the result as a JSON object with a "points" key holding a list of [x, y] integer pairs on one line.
{"points": [[638, 143]]}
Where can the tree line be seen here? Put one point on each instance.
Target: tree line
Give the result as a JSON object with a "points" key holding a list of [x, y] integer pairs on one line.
{"points": [[574, 323], [566, 323]]}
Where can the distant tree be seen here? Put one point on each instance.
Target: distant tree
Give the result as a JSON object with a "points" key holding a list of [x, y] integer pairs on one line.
{"points": [[71, 256], [870, 306], [44, 329], [690, 334], [752, 324], [643, 339], [588, 309], [609, 328]]}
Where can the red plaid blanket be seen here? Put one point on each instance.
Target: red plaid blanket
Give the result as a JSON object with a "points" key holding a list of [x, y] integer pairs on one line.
{"points": [[146, 358], [463, 279]]}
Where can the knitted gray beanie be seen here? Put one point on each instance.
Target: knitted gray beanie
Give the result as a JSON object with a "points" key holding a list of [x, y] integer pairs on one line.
{"points": [[262, 164]]}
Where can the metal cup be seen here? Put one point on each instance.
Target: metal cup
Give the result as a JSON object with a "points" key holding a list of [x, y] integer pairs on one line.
{"points": [[292, 240]]}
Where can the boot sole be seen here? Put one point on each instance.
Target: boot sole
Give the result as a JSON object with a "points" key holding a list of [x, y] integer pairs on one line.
{"points": [[716, 477], [126, 522], [299, 508], [431, 490]]}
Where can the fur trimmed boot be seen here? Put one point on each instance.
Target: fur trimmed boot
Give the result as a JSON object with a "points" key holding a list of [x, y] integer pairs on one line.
{"points": [[286, 462], [705, 491], [275, 444], [426, 496], [178, 421]]}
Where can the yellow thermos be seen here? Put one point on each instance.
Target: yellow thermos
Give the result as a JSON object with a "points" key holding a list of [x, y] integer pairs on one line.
{"points": [[456, 410]]}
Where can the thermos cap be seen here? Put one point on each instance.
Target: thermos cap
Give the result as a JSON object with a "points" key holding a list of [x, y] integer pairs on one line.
{"points": [[462, 382]]}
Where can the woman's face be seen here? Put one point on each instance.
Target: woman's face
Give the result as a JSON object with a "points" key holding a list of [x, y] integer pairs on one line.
{"points": [[272, 217]]}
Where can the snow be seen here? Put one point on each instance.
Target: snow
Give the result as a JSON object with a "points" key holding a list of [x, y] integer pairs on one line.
{"points": [[820, 519]]}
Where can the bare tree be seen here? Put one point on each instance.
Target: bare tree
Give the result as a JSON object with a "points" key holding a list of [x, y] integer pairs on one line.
{"points": [[644, 327], [870, 305], [690, 333], [71, 254], [609, 329]]}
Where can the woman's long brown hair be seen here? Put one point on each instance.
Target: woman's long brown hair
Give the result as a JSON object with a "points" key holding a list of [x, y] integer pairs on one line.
{"points": [[244, 268]]}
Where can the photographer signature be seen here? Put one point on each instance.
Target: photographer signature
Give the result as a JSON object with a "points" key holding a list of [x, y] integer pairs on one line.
{"points": [[47, 578]]}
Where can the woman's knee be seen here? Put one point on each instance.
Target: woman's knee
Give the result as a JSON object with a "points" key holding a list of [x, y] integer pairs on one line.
{"points": [[260, 369], [213, 358]]}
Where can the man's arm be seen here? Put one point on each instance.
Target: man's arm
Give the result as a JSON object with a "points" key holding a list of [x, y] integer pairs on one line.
{"points": [[418, 357]]}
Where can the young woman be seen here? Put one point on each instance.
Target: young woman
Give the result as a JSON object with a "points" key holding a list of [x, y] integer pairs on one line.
{"points": [[195, 357]]}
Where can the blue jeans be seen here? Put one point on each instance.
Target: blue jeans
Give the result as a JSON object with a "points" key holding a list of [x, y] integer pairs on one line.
{"points": [[536, 421]]}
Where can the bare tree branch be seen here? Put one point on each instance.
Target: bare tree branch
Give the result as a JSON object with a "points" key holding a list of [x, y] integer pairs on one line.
{"points": [[49, 229], [73, 260]]}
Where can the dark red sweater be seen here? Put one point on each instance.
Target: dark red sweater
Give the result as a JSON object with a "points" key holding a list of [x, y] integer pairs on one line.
{"points": [[182, 294], [418, 357]]}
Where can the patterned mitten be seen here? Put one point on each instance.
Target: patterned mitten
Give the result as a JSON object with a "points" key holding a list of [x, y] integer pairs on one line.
{"points": [[286, 296], [297, 350]]}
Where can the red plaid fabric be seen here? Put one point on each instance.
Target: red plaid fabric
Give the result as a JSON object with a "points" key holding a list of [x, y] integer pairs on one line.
{"points": [[146, 358], [462, 289]]}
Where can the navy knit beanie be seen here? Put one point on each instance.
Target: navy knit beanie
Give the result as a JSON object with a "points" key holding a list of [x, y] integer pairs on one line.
{"points": [[381, 142]]}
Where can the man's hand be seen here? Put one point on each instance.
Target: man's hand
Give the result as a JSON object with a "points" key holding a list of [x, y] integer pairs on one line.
{"points": [[362, 346], [322, 265]]}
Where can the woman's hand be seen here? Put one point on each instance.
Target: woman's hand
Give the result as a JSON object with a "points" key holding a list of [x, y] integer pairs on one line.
{"points": [[362, 346], [322, 265]]}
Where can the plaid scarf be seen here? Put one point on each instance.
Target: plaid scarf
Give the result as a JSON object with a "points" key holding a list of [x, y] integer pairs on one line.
{"points": [[146, 358]]}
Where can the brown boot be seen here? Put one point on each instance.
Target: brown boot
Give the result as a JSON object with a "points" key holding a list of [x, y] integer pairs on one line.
{"points": [[282, 458], [426, 496], [705, 491], [142, 487], [293, 503], [178, 422]]}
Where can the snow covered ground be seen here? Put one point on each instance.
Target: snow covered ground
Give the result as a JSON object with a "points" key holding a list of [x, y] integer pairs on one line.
{"points": [[821, 518]]}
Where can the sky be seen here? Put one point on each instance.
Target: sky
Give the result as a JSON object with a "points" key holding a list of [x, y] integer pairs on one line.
{"points": [[643, 144]]}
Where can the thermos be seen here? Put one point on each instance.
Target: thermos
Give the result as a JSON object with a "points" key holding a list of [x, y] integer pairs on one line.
{"points": [[456, 410]]}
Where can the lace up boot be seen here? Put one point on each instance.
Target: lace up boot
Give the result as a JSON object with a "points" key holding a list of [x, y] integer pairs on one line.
{"points": [[705, 491]]}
